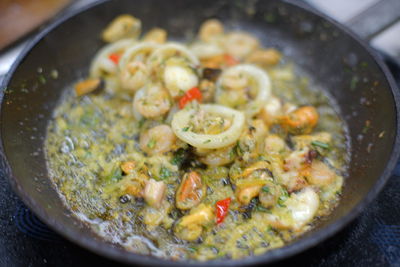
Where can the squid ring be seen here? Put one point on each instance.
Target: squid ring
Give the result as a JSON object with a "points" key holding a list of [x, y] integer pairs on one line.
{"points": [[170, 50], [263, 84], [183, 117], [102, 62], [131, 52]]}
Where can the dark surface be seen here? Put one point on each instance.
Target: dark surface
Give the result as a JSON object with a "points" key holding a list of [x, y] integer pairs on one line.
{"points": [[331, 56]]}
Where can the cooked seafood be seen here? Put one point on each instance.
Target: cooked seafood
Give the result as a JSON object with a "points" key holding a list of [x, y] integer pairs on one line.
{"points": [[214, 148]]}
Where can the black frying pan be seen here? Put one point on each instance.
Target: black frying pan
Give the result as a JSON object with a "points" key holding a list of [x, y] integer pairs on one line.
{"points": [[338, 62]]}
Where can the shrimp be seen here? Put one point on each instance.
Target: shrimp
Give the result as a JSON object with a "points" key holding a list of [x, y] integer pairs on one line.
{"points": [[266, 57], [124, 26], [302, 141], [179, 78], [233, 99], [240, 44], [134, 76], [274, 144], [271, 110], [302, 206], [234, 80], [156, 35], [269, 195], [300, 121], [214, 62], [296, 160], [157, 140], [320, 174], [217, 157], [206, 51], [152, 102], [241, 83], [299, 209], [210, 29], [292, 180], [296, 167], [154, 193]]}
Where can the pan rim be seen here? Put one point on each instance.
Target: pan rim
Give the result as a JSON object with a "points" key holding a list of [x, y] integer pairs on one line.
{"points": [[302, 244]]}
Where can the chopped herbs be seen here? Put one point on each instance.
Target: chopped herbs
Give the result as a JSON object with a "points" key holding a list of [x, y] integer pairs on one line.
{"points": [[238, 149], [284, 196], [141, 122], [232, 153], [366, 127], [262, 158], [281, 201], [179, 157], [165, 173], [192, 249], [42, 79], [207, 141], [262, 209], [151, 143], [114, 176], [353, 83], [265, 189], [270, 18], [89, 119], [320, 144], [185, 129]]}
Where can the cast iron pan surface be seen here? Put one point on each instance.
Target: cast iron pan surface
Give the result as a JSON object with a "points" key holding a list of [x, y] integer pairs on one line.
{"points": [[337, 61]]}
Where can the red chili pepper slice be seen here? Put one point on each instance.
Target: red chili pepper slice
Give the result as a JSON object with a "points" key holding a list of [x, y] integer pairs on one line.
{"points": [[230, 60], [114, 57], [222, 209], [190, 95]]}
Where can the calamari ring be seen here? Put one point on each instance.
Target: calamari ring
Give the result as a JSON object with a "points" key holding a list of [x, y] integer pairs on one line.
{"points": [[263, 83], [131, 52], [168, 50], [102, 63], [182, 118]]}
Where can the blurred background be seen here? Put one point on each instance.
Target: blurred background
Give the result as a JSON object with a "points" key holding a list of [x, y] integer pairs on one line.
{"points": [[21, 19], [347, 11]]}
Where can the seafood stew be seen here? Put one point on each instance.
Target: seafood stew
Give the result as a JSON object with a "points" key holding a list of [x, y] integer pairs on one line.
{"points": [[215, 147]]}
